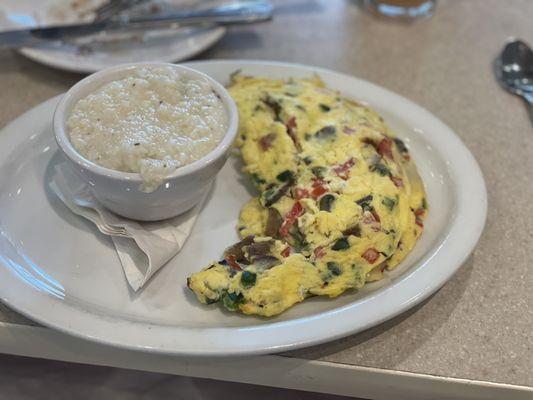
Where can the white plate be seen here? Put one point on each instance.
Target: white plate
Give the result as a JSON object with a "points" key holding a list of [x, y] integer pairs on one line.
{"points": [[179, 45], [56, 269]]}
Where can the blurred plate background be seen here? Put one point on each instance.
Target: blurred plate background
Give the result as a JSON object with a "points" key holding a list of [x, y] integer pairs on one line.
{"points": [[93, 53]]}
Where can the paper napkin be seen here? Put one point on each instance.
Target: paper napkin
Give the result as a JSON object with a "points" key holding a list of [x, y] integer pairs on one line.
{"points": [[142, 247]]}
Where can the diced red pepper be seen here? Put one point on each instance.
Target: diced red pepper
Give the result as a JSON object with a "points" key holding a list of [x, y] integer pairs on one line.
{"points": [[291, 123], [230, 258], [319, 252], [318, 188], [266, 141], [385, 148], [296, 210], [372, 218], [300, 193], [349, 164], [418, 217], [286, 251], [370, 255], [290, 219], [420, 212], [317, 182], [318, 191], [343, 170], [375, 215], [344, 175], [398, 182]]}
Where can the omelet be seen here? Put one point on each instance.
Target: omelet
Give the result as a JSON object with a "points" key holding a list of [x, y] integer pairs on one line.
{"points": [[340, 200]]}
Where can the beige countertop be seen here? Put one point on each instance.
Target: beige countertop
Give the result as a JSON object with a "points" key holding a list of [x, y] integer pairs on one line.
{"points": [[480, 324]]}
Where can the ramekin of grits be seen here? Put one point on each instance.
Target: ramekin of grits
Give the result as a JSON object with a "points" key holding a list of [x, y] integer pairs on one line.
{"points": [[148, 138]]}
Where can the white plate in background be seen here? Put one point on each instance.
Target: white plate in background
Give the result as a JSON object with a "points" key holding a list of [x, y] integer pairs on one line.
{"points": [[155, 46], [58, 270]]}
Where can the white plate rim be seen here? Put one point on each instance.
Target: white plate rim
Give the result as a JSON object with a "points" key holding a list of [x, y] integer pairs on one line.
{"points": [[44, 57], [411, 289]]}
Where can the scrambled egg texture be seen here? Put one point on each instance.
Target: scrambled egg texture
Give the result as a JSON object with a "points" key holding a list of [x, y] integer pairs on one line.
{"points": [[340, 200]]}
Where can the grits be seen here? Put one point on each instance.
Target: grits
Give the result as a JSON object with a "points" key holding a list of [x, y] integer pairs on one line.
{"points": [[151, 122]]}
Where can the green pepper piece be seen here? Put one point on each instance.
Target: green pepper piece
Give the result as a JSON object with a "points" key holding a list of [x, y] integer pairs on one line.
{"points": [[327, 132], [341, 244], [232, 300], [402, 148], [285, 176], [248, 278], [318, 171], [325, 202], [389, 203], [365, 203], [257, 179], [381, 169], [334, 268]]}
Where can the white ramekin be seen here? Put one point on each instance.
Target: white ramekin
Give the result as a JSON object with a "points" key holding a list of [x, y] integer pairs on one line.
{"points": [[119, 191]]}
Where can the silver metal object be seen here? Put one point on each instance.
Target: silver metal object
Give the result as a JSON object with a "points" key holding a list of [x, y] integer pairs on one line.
{"points": [[514, 70], [114, 7], [403, 9], [232, 13]]}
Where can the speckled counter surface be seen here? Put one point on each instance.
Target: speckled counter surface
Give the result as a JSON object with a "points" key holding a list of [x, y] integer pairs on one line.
{"points": [[480, 324]]}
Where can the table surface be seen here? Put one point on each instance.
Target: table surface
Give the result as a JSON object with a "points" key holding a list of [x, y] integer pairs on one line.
{"points": [[479, 325]]}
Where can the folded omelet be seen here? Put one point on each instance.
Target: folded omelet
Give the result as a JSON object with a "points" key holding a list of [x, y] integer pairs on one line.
{"points": [[340, 199]]}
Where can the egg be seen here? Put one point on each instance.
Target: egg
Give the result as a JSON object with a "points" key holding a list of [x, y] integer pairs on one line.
{"points": [[340, 200]]}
